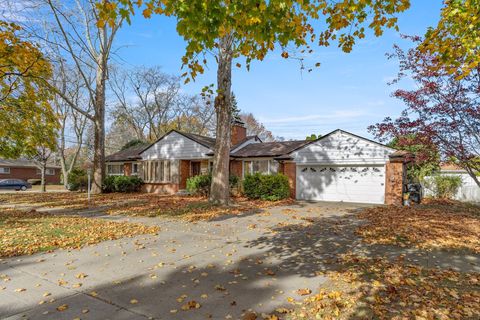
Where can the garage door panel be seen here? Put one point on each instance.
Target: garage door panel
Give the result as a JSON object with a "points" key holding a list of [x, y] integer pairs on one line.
{"points": [[350, 184]]}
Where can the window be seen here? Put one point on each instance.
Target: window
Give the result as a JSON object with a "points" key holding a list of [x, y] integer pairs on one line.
{"points": [[262, 166], [4, 170], [48, 172], [115, 169], [210, 166], [157, 171], [135, 169]]}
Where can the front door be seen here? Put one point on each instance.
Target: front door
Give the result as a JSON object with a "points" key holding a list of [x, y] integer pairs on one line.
{"points": [[195, 168]]}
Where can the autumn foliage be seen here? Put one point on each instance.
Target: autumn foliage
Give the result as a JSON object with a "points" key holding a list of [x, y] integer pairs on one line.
{"points": [[30, 232], [442, 111], [27, 119], [437, 225]]}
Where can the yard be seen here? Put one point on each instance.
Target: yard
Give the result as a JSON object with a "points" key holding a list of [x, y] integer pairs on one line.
{"points": [[255, 260], [138, 204]]}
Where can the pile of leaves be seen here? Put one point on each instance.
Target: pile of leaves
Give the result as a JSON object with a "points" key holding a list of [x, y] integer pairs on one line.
{"points": [[366, 288], [435, 225], [30, 232]]}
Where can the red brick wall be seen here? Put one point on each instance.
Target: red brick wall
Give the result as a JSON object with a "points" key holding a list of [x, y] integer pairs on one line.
{"points": [[26, 173], [394, 180], [236, 168], [160, 188], [290, 170], [184, 173], [238, 134]]}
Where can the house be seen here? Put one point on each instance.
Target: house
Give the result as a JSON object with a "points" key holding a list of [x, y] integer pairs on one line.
{"points": [[468, 191], [26, 170], [339, 166]]}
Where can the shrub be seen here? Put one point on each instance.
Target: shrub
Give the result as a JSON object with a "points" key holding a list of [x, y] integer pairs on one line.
{"points": [[201, 184], [444, 186], [122, 184], [266, 187], [77, 180], [109, 184]]}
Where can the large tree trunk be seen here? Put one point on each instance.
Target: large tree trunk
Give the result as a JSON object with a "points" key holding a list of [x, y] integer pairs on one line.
{"points": [[220, 189], [99, 127]]}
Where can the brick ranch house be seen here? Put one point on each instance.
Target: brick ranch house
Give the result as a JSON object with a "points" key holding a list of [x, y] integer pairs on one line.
{"points": [[25, 170], [339, 166]]}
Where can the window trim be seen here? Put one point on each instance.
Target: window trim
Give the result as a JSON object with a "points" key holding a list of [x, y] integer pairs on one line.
{"points": [[5, 170], [247, 166], [39, 171], [135, 172], [121, 165]]}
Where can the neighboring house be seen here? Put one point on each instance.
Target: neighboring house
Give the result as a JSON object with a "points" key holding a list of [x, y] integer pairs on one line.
{"points": [[468, 191], [26, 169], [339, 166]]}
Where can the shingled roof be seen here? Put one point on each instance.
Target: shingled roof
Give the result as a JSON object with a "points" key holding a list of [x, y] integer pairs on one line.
{"points": [[22, 162], [129, 154], [203, 140], [269, 149]]}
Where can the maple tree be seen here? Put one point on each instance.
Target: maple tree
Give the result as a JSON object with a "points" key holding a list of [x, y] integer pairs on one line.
{"points": [[456, 38], [251, 29], [442, 109], [427, 157], [27, 119]]}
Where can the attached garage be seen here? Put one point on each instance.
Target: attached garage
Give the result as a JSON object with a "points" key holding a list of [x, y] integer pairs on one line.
{"points": [[342, 167], [363, 184]]}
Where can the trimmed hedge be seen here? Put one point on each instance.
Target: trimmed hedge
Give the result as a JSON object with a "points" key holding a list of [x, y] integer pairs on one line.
{"points": [[271, 187], [122, 184], [201, 184]]}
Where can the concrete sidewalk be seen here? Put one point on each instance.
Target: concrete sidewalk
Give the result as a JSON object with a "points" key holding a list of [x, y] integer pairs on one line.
{"points": [[215, 270]]}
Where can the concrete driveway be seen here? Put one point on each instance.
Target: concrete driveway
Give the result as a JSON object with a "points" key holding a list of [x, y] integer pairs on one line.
{"points": [[206, 270]]}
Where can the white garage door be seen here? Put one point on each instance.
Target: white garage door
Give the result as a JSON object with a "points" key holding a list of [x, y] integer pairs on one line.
{"points": [[363, 184]]}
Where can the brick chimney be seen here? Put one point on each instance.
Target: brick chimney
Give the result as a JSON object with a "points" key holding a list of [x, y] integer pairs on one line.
{"points": [[239, 132]]}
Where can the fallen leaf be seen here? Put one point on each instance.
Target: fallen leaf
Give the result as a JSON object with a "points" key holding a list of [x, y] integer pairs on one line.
{"points": [[63, 307]]}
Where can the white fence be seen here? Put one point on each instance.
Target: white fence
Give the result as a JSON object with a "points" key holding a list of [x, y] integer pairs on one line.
{"points": [[468, 192]]}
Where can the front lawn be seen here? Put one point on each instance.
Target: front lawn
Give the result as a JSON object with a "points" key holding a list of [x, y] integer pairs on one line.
{"points": [[30, 232], [190, 208], [140, 204], [434, 225]]}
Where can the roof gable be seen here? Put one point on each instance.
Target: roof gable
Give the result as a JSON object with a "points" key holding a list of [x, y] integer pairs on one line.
{"points": [[207, 142], [342, 147], [179, 145]]}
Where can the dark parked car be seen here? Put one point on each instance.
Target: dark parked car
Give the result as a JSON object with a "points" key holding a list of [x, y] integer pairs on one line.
{"points": [[14, 184]]}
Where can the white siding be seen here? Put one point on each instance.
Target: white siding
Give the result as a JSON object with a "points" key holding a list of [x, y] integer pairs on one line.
{"points": [[175, 146], [341, 148], [469, 191]]}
